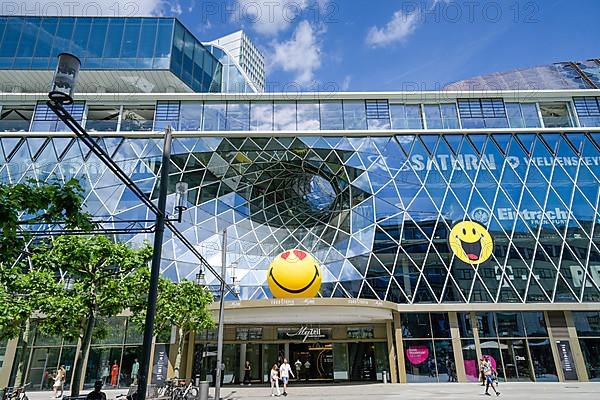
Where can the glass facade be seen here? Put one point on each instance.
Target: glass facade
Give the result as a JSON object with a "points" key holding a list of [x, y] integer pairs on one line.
{"points": [[375, 211], [109, 43], [587, 325]]}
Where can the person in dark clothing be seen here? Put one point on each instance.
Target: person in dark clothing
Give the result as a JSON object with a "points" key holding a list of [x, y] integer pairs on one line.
{"points": [[97, 394]]}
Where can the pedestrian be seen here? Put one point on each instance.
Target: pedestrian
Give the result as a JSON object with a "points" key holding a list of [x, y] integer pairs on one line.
{"points": [[275, 381], [59, 382], [248, 373], [97, 393], [306, 370], [298, 367], [135, 369], [285, 370], [482, 363], [488, 372]]}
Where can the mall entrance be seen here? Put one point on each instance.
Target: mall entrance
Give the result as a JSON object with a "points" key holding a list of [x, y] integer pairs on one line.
{"points": [[311, 362]]}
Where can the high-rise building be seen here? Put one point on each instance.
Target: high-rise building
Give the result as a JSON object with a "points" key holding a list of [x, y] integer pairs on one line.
{"points": [[445, 225], [244, 53]]}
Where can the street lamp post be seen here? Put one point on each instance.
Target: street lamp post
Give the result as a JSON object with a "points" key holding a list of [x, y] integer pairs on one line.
{"points": [[63, 86]]}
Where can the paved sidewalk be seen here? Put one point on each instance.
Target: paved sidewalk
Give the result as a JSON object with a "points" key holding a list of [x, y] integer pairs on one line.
{"points": [[527, 391]]}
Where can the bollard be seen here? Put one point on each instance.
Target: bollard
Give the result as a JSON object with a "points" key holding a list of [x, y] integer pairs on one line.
{"points": [[384, 377], [203, 395]]}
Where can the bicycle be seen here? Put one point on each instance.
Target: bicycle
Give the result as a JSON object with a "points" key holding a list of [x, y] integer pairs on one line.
{"points": [[188, 392], [15, 393]]}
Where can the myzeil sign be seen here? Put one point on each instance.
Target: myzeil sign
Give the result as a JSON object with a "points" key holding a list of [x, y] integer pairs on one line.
{"points": [[556, 216], [472, 162], [304, 333]]}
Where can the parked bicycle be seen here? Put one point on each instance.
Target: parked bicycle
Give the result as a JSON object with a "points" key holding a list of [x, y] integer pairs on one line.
{"points": [[15, 393], [188, 392]]}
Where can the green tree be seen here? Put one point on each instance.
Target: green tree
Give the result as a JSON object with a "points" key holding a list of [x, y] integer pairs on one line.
{"points": [[22, 289], [102, 272], [183, 305]]}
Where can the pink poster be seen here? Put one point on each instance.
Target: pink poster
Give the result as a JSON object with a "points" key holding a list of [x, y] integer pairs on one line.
{"points": [[417, 354], [471, 370]]}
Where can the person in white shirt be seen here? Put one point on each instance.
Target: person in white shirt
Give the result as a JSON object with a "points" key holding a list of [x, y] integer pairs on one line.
{"points": [[275, 380], [285, 370]]}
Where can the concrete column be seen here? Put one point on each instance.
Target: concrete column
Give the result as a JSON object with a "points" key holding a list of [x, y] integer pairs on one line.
{"points": [[476, 335], [243, 349], [399, 348], [576, 348], [457, 347], [286, 351], [555, 354], [391, 352], [9, 360]]}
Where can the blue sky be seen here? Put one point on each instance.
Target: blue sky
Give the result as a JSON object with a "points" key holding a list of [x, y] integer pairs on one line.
{"points": [[374, 45]]}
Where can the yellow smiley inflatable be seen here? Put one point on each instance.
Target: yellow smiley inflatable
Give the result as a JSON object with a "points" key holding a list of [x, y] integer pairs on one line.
{"points": [[294, 274], [471, 242]]}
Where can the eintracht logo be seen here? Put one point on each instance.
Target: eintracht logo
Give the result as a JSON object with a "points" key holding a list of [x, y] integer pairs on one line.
{"points": [[480, 215]]}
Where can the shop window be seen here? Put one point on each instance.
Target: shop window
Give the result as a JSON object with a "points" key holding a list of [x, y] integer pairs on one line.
{"points": [[362, 332], [102, 118], [137, 118], [556, 115], [510, 324], [535, 324], [591, 353], [15, 118], [542, 360], [486, 324], [419, 359], [440, 325], [587, 323], [464, 324], [470, 360], [416, 325], [248, 334]]}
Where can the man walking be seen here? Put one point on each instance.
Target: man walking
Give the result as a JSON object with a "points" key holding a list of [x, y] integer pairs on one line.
{"points": [[285, 370], [488, 372]]}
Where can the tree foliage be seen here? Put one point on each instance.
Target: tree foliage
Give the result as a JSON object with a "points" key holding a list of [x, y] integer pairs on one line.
{"points": [[103, 274], [183, 305]]}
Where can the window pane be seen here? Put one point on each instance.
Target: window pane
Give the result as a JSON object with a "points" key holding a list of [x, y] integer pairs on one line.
{"points": [[464, 324], [449, 116], [355, 115], [102, 118], [167, 114], [591, 353], [446, 367], [535, 325], [406, 116], [440, 325], [137, 118], [513, 110], [331, 115], [416, 325], [587, 323], [261, 116], [238, 116], [510, 324], [470, 360], [214, 116], [308, 116], [530, 115], [542, 360], [16, 118], [190, 116], [285, 116], [555, 115], [419, 361], [131, 38], [433, 116], [486, 324], [113, 40]]}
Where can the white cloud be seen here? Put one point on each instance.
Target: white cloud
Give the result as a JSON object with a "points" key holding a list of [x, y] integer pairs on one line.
{"points": [[269, 17], [346, 83], [90, 8], [398, 29], [301, 55]]}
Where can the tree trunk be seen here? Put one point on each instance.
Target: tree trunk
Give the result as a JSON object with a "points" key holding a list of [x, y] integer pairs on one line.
{"points": [[82, 354], [177, 365], [24, 357]]}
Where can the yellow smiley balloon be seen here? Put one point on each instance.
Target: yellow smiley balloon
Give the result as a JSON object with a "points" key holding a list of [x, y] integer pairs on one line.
{"points": [[294, 274], [471, 242]]}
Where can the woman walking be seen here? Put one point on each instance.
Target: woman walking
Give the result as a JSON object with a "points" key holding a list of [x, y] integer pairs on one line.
{"points": [[247, 373], [59, 382], [275, 380], [488, 372]]}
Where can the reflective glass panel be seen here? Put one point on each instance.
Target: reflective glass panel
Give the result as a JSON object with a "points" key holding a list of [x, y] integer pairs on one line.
{"points": [[331, 115], [556, 115], [190, 116], [238, 116], [261, 116], [308, 116], [285, 116], [406, 116], [591, 353], [15, 118], [587, 323], [102, 118], [214, 116], [355, 115], [137, 117]]}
